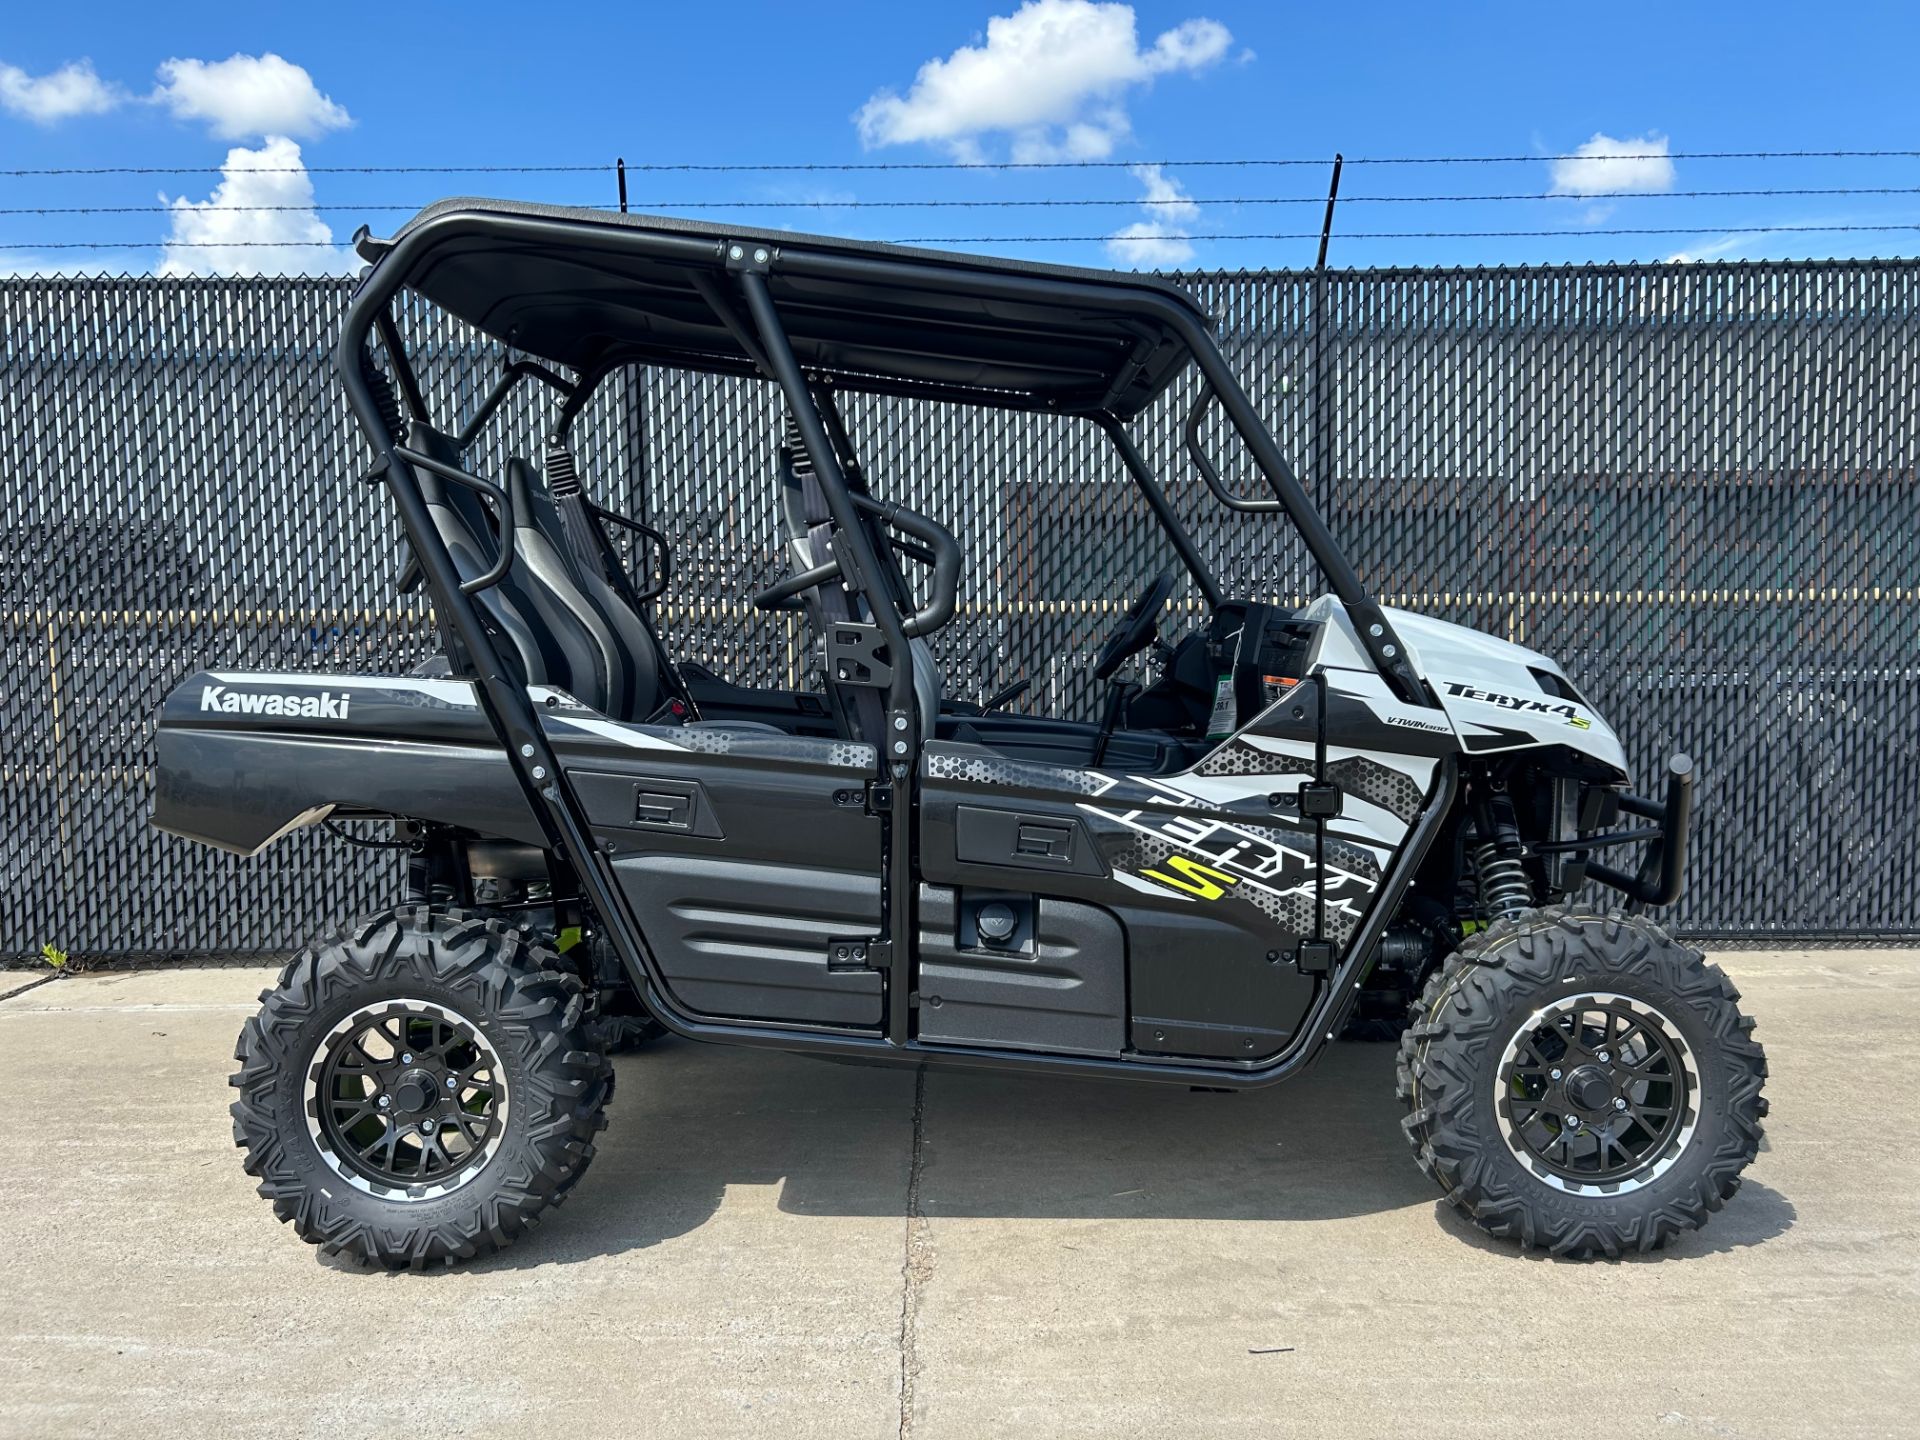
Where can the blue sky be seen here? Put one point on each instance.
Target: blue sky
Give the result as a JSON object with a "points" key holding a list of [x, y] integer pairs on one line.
{"points": [[960, 82]]}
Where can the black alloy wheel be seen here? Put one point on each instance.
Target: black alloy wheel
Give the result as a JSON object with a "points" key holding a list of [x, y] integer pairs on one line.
{"points": [[1596, 1093], [420, 1088], [407, 1097], [1582, 1082]]}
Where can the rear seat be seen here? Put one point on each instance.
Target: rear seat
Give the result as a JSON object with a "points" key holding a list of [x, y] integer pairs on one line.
{"points": [[563, 626]]}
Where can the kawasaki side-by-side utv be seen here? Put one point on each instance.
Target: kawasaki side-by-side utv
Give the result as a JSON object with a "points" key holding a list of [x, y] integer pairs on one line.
{"points": [[1296, 816]]}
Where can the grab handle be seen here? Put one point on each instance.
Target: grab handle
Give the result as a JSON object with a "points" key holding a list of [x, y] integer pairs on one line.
{"points": [[1251, 505], [945, 555], [488, 491]]}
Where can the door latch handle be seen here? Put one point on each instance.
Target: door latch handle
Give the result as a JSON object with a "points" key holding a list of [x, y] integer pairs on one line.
{"points": [[668, 811], [1049, 842]]}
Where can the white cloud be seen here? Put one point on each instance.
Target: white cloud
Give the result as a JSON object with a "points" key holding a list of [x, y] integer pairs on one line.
{"points": [[263, 201], [1162, 240], [245, 96], [1714, 249], [240, 98], [1165, 196], [1052, 77], [71, 90], [1148, 243], [1605, 164]]}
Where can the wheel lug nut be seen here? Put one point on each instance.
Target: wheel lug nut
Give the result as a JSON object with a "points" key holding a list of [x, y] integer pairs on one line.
{"points": [[452, 1084], [1556, 1074], [1603, 1057], [406, 1059], [385, 1101], [426, 1125], [1619, 1103], [1573, 1122]]}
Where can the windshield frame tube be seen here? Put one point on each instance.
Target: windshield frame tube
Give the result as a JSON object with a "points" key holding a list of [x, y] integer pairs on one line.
{"points": [[1163, 510]]}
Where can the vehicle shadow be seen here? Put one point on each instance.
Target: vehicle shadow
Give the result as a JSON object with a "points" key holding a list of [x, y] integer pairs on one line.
{"points": [[1325, 1146], [691, 1123]]}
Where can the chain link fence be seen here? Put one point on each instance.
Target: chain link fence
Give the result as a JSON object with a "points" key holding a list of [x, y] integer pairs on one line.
{"points": [[1694, 485]]}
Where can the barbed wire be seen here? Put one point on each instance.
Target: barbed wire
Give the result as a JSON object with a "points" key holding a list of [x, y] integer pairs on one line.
{"points": [[1562, 234], [1717, 230], [781, 167], [1124, 203]]}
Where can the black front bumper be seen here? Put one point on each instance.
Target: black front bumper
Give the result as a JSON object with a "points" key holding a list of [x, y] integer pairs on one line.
{"points": [[1660, 876]]}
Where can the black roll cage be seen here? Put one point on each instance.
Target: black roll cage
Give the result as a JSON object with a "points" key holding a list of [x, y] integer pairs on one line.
{"points": [[722, 271]]}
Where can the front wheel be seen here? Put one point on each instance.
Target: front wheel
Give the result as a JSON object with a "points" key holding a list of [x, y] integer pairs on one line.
{"points": [[1582, 1083], [419, 1089]]}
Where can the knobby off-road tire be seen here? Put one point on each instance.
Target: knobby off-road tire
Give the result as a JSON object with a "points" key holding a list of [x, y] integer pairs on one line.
{"points": [[1474, 1047], [527, 1086], [624, 1023], [624, 1034]]}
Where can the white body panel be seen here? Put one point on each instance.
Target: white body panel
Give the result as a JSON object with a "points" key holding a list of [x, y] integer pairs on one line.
{"points": [[1488, 688]]}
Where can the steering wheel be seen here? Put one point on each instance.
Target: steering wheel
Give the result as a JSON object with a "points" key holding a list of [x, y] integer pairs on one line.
{"points": [[1139, 627]]}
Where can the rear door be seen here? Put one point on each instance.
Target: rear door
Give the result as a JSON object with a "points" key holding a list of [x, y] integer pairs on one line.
{"points": [[748, 856]]}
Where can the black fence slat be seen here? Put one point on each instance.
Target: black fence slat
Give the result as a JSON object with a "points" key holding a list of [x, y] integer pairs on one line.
{"points": [[1695, 485]]}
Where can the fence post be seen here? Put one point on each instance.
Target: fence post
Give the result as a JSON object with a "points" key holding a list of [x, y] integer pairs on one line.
{"points": [[1320, 452]]}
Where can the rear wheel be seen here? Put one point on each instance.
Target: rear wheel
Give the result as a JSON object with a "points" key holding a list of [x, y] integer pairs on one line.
{"points": [[1582, 1083], [419, 1089]]}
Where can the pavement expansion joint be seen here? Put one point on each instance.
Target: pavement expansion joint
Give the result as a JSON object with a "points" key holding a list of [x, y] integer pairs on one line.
{"points": [[916, 1267]]}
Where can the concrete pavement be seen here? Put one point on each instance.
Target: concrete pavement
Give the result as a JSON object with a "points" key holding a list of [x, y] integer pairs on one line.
{"points": [[1081, 1259], [12, 981]]}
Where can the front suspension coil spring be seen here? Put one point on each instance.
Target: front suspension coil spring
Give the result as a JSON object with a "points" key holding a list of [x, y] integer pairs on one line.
{"points": [[1505, 890]]}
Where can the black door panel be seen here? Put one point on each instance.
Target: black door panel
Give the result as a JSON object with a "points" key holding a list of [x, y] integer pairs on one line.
{"points": [[1203, 989], [737, 938], [1206, 950], [1058, 983], [744, 854]]}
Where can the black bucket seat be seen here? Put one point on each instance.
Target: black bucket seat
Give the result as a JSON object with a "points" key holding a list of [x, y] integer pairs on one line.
{"points": [[565, 626]]}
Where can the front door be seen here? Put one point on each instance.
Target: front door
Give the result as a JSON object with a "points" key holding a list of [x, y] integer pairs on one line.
{"points": [[1194, 913]]}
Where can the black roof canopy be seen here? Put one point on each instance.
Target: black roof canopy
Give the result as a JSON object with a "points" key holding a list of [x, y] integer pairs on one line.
{"points": [[589, 289]]}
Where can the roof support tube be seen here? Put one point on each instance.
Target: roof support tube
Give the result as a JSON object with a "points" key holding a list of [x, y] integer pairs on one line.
{"points": [[1136, 464], [833, 481], [580, 394], [502, 695], [402, 367], [722, 306], [900, 746], [1375, 630], [838, 433], [510, 377]]}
